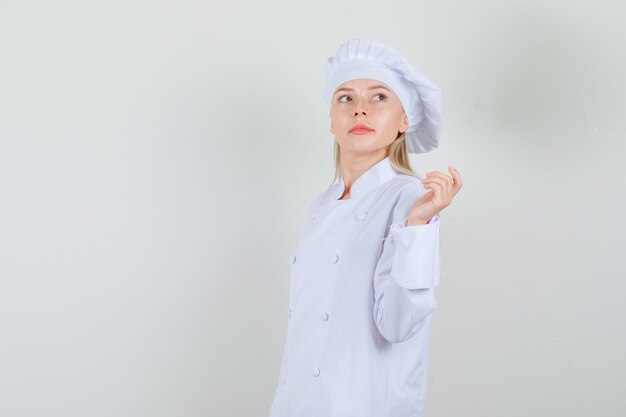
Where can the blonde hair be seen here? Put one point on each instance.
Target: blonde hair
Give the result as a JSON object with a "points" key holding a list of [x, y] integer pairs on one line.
{"points": [[398, 156]]}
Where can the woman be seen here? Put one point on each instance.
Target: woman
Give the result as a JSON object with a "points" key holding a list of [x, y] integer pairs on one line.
{"points": [[363, 275]]}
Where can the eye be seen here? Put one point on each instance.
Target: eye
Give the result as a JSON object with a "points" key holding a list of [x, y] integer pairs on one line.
{"points": [[382, 95], [340, 98]]}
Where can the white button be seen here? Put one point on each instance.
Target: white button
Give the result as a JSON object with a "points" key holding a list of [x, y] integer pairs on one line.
{"points": [[324, 316], [362, 215], [293, 258], [314, 215], [316, 372], [289, 313], [335, 259]]}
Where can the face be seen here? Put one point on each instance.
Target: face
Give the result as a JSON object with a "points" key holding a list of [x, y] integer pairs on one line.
{"points": [[371, 103]]}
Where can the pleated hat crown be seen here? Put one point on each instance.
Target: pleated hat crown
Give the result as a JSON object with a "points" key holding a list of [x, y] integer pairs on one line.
{"points": [[421, 99]]}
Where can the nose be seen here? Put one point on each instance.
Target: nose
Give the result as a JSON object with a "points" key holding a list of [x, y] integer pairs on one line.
{"points": [[361, 107]]}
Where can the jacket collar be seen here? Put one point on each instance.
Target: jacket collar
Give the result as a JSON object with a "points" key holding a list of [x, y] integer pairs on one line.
{"points": [[376, 175]]}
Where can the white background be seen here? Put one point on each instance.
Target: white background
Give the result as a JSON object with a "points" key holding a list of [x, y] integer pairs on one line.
{"points": [[157, 160]]}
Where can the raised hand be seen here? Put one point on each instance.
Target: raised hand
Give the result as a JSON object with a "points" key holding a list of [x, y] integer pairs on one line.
{"points": [[442, 189]]}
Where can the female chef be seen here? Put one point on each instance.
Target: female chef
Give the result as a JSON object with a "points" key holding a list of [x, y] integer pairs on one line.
{"points": [[362, 278]]}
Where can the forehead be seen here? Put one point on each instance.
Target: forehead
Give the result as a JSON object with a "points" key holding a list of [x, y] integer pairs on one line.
{"points": [[362, 83]]}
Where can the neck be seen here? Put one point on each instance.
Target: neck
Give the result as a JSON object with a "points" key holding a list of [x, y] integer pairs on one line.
{"points": [[353, 166]]}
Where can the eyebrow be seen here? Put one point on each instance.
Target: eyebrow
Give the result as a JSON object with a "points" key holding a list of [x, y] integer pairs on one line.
{"points": [[370, 88]]}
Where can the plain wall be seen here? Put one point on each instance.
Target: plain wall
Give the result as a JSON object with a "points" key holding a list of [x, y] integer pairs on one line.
{"points": [[157, 160]]}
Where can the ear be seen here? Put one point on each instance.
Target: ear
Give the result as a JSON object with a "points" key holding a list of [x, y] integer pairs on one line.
{"points": [[405, 123], [331, 128]]}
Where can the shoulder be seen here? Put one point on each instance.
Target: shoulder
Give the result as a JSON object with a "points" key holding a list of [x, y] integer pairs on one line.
{"points": [[408, 189]]}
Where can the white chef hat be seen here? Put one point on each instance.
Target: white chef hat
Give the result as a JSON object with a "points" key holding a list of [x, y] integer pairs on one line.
{"points": [[420, 98]]}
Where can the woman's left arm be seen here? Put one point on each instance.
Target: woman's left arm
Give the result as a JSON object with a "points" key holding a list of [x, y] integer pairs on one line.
{"points": [[405, 278], [409, 267]]}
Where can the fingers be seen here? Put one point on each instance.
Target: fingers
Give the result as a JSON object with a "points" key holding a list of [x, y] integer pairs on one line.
{"points": [[445, 179], [457, 179], [441, 189], [436, 193], [440, 175]]}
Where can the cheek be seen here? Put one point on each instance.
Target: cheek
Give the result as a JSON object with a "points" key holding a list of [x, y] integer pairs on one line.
{"points": [[387, 123], [338, 117], [392, 121]]}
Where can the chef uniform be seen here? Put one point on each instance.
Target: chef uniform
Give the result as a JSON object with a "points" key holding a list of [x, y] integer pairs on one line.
{"points": [[362, 281]]}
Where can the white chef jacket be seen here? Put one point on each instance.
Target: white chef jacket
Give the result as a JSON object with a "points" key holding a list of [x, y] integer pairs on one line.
{"points": [[361, 294]]}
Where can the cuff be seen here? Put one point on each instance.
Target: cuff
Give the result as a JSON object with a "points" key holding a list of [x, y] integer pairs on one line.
{"points": [[416, 254]]}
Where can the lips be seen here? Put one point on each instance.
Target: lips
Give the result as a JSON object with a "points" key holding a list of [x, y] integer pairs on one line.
{"points": [[360, 129]]}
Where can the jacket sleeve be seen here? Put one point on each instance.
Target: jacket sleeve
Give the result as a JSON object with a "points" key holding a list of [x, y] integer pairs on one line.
{"points": [[407, 272]]}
